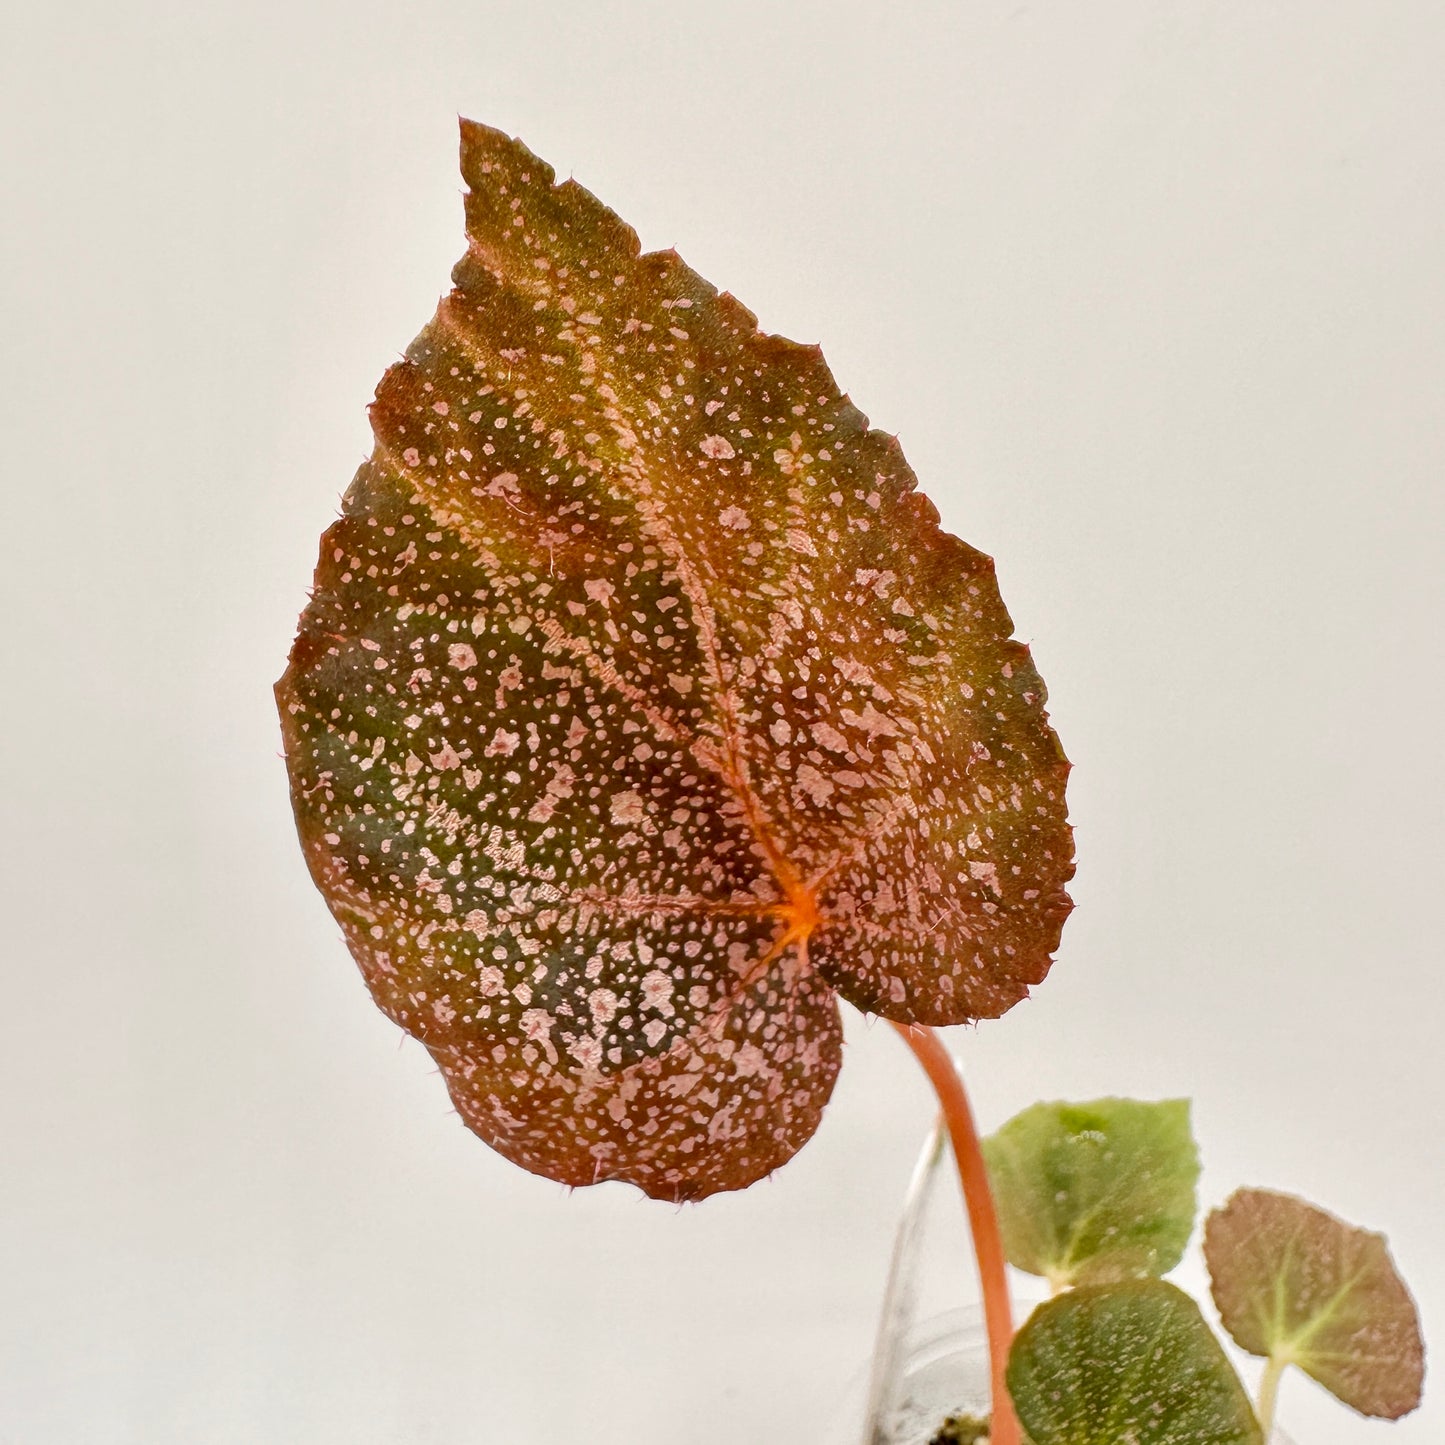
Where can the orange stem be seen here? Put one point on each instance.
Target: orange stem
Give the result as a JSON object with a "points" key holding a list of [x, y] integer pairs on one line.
{"points": [[943, 1074]]}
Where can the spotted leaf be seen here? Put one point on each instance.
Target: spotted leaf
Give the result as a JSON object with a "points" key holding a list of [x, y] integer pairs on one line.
{"points": [[1126, 1364], [642, 708], [1294, 1283]]}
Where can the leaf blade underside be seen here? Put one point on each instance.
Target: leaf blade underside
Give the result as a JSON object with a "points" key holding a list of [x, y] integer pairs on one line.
{"points": [[641, 704], [1294, 1282]]}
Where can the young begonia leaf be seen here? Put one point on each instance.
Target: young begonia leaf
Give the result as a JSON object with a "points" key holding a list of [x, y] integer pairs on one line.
{"points": [[1134, 1362], [1091, 1193], [642, 707], [1302, 1287]]}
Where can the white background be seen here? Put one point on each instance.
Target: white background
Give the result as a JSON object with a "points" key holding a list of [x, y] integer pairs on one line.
{"points": [[1153, 294]]}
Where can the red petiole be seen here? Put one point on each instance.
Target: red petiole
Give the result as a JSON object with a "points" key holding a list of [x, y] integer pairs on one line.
{"points": [[943, 1074]]}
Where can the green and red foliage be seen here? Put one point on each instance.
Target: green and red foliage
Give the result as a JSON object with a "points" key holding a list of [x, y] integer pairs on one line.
{"points": [[1300, 1287], [642, 709]]}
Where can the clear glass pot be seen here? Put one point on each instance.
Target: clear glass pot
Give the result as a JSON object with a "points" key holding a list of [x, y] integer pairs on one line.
{"points": [[928, 1363], [942, 1371]]}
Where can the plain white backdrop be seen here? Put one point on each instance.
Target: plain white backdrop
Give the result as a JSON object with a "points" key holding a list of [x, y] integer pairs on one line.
{"points": [[1153, 294]]}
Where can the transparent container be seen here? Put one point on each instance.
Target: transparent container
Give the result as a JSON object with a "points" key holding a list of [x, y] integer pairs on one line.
{"points": [[941, 1370], [928, 1363]]}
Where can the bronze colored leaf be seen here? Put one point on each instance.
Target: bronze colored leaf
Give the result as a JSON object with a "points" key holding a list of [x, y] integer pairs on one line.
{"points": [[1298, 1285], [641, 706]]}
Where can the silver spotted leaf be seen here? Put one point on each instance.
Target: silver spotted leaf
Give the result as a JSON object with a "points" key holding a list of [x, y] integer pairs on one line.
{"points": [[642, 708], [1126, 1364]]}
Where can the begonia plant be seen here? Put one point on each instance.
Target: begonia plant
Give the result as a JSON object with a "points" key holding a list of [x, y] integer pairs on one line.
{"points": [[643, 712]]}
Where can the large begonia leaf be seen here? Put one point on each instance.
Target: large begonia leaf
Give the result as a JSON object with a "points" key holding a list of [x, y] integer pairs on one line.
{"points": [[642, 707], [1126, 1364], [1097, 1192], [1296, 1284]]}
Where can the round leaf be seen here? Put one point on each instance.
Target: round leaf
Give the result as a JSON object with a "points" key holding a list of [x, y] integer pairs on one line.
{"points": [[642, 707], [1129, 1362], [1297, 1284], [1091, 1193]]}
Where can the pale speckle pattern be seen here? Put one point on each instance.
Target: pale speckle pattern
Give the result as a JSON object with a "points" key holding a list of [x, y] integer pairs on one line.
{"points": [[1293, 1280], [1129, 1363], [641, 705]]}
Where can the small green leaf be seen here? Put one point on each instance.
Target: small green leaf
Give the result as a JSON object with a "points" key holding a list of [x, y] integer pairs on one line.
{"points": [[1093, 1193], [1128, 1362], [1304, 1288]]}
